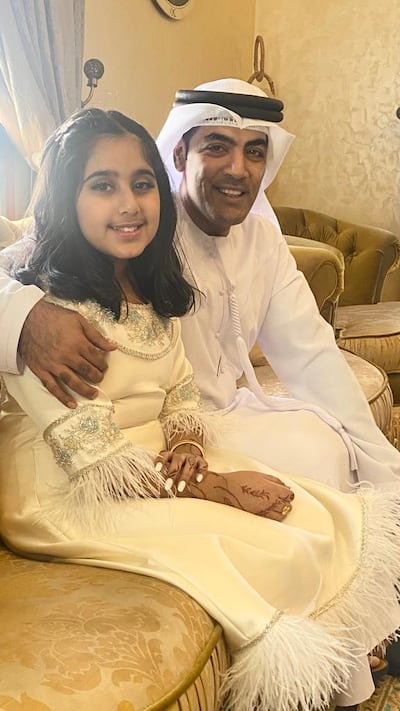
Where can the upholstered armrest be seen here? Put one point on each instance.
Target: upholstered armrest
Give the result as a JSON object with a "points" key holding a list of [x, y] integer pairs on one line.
{"points": [[323, 269], [80, 637], [11, 231], [369, 252]]}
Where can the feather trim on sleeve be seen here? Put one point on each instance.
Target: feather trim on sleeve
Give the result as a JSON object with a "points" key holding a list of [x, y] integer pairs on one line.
{"points": [[181, 414], [205, 426], [102, 466]]}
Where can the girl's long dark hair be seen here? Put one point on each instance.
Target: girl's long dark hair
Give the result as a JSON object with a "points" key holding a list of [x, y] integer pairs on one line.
{"points": [[63, 260]]}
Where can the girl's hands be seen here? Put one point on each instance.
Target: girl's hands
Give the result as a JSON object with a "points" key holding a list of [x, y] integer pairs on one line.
{"points": [[186, 474], [181, 468], [251, 491]]}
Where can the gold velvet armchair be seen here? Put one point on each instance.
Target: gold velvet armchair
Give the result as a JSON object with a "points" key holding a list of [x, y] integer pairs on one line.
{"points": [[324, 269], [369, 252], [365, 324]]}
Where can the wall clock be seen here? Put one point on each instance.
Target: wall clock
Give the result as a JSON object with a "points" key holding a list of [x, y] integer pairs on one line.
{"points": [[176, 9]]}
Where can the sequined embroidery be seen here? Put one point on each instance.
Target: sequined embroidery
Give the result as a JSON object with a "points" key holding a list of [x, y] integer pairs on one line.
{"points": [[185, 391], [85, 433], [150, 336], [150, 330]]}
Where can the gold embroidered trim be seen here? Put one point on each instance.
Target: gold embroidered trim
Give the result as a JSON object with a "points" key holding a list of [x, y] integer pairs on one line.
{"points": [[184, 391], [73, 413], [141, 324], [120, 449], [88, 431], [274, 619], [327, 606], [361, 563]]}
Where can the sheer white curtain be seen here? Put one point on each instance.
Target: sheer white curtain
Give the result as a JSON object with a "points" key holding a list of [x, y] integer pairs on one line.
{"points": [[41, 49], [16, 179]]}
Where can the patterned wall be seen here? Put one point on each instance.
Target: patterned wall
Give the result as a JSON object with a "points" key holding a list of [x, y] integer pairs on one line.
{"points": [[336, 65], [148, 56]]}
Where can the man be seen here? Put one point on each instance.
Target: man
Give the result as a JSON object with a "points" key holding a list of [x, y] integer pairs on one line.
{"points": [[214, 145], [222, 150], [223, 147]]}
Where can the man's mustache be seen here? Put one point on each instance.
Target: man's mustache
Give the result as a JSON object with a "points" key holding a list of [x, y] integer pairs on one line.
{"points": [[241, 183]]}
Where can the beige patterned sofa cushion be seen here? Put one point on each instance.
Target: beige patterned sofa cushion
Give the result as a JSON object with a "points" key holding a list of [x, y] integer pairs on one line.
{"points": [[372, 331], [90, 639], [372, 379]]}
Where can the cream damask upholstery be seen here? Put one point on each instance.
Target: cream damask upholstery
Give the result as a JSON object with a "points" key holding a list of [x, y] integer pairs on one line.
{"points": [[76, 638], [373, 332]]}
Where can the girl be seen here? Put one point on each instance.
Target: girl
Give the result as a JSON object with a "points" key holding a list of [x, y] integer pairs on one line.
{"points": [[122, 482]]}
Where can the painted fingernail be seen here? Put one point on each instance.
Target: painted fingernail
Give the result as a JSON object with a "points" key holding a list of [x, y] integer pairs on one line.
{"points": [[181, 486], [158, 466], [168, 484], [199, 478]]}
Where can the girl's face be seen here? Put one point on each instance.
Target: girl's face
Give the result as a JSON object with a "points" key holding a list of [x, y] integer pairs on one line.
{"points": [[118, 206]]}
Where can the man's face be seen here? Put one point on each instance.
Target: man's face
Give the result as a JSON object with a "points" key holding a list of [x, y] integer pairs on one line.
{"points": [[222, 171]]}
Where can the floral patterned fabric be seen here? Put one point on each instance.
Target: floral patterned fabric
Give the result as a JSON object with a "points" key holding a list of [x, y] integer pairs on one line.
{"points": [[81, 638]]}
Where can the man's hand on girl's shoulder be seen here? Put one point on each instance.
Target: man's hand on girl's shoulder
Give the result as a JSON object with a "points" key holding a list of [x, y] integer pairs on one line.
{"points": [[63, 350]]}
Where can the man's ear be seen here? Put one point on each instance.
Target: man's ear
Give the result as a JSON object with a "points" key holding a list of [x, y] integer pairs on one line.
{"points": [[180, 156]]}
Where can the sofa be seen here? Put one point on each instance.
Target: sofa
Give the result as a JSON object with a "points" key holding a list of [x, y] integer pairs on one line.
{"points": [[324, 271], [367, 320], [77, 638]]}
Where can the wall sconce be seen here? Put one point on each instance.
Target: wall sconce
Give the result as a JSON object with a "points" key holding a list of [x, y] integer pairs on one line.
{"points": [[93, 69]]}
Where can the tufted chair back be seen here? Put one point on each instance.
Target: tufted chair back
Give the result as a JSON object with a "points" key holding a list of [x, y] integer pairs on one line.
{"points": [[369, 252], [365, 324]]}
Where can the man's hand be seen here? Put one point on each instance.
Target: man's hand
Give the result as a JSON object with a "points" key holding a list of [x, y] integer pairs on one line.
{"points": [[61, 347]]}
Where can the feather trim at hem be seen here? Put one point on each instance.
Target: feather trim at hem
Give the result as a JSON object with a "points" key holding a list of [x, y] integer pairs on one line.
{"points": [[95, 494], [207, 426], [368, 604], [299, 662]]}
